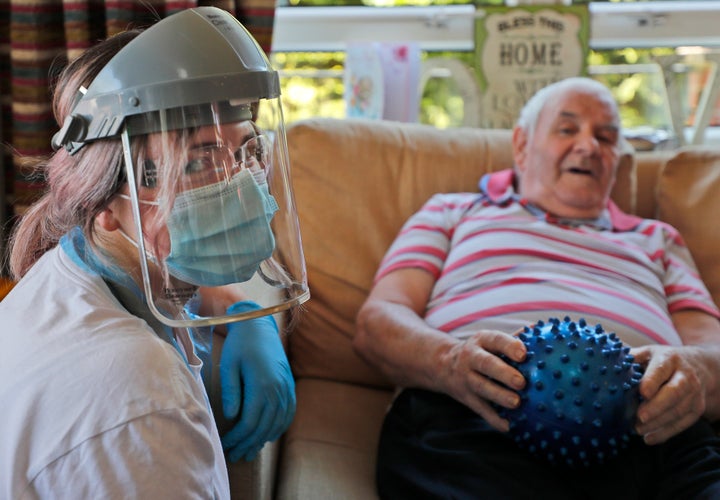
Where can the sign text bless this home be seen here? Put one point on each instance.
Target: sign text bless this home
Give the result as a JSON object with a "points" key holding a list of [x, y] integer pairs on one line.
{"points": [[531, 53]]}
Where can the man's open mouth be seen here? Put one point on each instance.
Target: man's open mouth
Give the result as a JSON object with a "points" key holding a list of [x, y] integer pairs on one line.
{"points": [[580, 170]]}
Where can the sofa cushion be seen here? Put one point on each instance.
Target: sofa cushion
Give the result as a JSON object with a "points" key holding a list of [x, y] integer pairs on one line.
{"points": [[356, 182], [688, 199]]}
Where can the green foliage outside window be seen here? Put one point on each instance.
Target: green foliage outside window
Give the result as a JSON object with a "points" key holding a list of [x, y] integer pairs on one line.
{"points": [[641, 95]]}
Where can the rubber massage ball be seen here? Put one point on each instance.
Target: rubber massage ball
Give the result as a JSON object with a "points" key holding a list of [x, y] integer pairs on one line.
{"points": [[581, 395]]}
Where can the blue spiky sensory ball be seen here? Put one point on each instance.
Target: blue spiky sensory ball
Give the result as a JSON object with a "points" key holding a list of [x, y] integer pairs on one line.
{"points": [[579, 403]]}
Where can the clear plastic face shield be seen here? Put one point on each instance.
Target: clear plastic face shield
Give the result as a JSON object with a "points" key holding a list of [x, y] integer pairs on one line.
{"points": [[213, 207], [208, 180]]}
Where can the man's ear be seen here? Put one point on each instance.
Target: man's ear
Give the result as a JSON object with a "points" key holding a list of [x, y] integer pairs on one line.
{"points": [[519, 147], [106, 219]]}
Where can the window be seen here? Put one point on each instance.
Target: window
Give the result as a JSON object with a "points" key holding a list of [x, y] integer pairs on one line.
{"points": [[629, 41]]}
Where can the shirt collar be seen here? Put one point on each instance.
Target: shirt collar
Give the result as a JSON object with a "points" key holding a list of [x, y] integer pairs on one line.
{"points": [[121, 285], [83, 255], [499, 187]]}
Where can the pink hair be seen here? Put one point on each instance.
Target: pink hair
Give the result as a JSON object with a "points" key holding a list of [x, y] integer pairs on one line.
{"points": [[79, 186]]}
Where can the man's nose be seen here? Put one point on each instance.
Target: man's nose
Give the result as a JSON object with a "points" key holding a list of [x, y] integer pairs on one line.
{"points": [[587, 143]]}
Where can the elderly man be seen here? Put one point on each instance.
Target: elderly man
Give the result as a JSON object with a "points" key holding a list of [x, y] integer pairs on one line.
{"points": [[541, 240]]}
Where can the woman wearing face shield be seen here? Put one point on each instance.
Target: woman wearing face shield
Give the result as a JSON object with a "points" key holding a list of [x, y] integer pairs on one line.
{"points": [[168, 216]]}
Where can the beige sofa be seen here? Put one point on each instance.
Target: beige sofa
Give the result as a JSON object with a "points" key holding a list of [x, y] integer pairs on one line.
{"points": [[355, 184]]}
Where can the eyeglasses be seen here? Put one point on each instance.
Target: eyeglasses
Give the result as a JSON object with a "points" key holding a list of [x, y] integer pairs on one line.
{"points": [[216, 161]]}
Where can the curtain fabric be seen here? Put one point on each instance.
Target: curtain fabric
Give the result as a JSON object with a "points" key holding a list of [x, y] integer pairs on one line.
{"points": [[37, 39]]}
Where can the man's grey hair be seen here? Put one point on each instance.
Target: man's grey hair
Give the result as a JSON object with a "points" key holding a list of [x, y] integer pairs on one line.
{"points": [[530, 113]]}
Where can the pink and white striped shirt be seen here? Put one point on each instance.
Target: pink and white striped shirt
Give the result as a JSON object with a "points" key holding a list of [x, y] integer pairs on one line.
{"points": [[501, 263]]}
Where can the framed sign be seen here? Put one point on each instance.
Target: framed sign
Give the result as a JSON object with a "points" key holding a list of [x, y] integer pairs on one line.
{"points": [[519, 50]]}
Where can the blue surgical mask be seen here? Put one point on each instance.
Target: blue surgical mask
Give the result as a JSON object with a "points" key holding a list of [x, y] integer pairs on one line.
{"points": [[220, 233]]}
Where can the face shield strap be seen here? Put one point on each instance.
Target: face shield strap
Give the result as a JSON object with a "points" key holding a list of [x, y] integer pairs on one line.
{"points": [[74, 126]]}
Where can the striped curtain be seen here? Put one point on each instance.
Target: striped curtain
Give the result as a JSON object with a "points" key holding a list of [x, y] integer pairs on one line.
{"points": [[38, 37]]}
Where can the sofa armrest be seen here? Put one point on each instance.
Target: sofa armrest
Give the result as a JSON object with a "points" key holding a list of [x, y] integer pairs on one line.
{"points": [[253, 480]]}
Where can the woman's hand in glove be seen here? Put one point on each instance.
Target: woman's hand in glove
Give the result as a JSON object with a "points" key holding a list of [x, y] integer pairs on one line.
{"points": [[256, 383]]}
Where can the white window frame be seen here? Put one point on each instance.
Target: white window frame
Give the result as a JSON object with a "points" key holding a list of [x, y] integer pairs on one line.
{"points": [[451, 27]]}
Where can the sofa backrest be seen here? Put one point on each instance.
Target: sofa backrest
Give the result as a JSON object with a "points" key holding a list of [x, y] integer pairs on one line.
{"points": [[688, 198], [356, 182]]}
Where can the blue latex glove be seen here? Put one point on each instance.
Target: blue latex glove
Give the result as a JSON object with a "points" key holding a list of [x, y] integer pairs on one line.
{"points": [[256, 382]]}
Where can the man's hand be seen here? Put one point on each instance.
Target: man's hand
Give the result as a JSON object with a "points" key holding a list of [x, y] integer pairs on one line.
{"points": [[673, 388], [256, 382], [474, 374]]}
